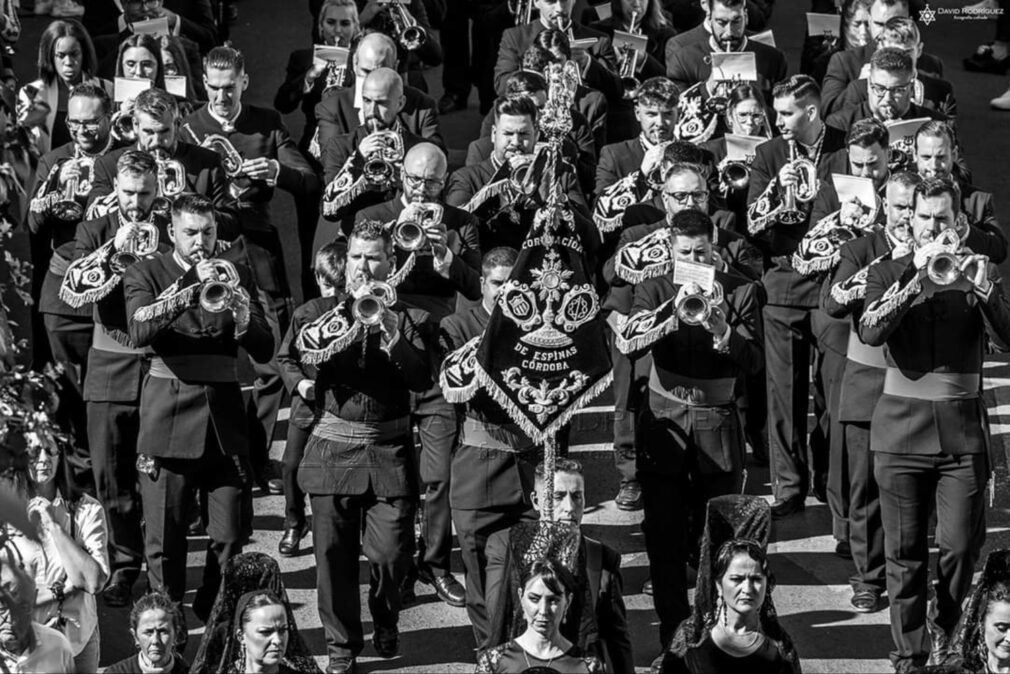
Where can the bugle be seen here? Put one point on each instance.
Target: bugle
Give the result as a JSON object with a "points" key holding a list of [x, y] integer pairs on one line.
{"points": [[944, 268], [68, 208], [410, 34], [409, 232], [734, 176], [380, 166], [143, 241], [696, 307], [804, 192], [171, 180], [629, 62], [371, 303], [217, 292]]}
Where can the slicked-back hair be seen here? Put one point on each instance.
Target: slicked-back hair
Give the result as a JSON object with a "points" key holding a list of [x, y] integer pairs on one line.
{"points": [[136, 163], [658, 91], [905, 179], [371, 230], [47, 49], [554, 576], [936, 128], [501, 256], [143, 41], [224, 57], [730, 4], [935, 187], [691, 223], [803, 88], [524, 83], [867, 132], [892, 60], [900, 30], [536, 59], [562, 464], [556, 42], [96, 91], [521, 106], [157, 103], [745, 91], [192, 203]]}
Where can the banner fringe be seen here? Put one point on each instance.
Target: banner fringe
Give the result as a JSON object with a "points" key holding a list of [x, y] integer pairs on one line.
{"points": [[891, 302], [320, 356], [167, 305]]}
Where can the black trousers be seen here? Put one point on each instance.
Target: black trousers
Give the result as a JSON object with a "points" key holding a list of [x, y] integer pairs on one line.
{"points": [[436, 426], [788, 343], [908, 484], [629, 392], [342, 528], [112, 436], [294, 497], [473, 527], [268, 391], [69, 341], [469, 59], [219, 481], [831, 366], [866, 532]]}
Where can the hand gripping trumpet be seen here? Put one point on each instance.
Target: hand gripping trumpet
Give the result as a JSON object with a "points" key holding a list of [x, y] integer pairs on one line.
{"points": [[143, 241], [371, 301], [171, 180], [231, 160], [409, 232], [218, 291], [944, 268], [803, 193], [405, 26], [68, 209], [695, 308], [380, 166]]}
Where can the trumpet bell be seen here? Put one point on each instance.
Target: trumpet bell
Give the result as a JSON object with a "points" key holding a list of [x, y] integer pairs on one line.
{"points": [[368, 309], [409, 236], [121, 260], [694, 309], [630, 85], [413, 37], [68, 210], [943, 269], [840, 235], [735, 176], [216, 296], [378, 171]]}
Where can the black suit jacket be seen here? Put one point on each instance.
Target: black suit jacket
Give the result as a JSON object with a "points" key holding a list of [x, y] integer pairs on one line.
{"points": [[845, 118], [937, 95], [617, 160], [291, 94], [846, 65], [196, 17], [692, 64], [336, 115], [601, 74]]}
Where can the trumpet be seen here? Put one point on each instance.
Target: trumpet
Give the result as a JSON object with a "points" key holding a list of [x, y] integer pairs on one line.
{"points": [[217, 293], [409, 232], [374, 297], [171, 180], [405, 26], [522, 10], [231, 160], [68, 209], [695, 308], [123, 128], [734, 176], [629, 62], [144, 241], [803, 193], [380, 166], [944, 268]]}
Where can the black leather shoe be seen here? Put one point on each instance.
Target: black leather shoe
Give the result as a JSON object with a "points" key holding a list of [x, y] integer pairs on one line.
{"points": [[446, 587], [983, 61], [341, 667], [866, 601], [386, 641], [843, 550], [786, 507], [630, 496], [292, 538], [118, 593], [647, 587], [275, 486]]}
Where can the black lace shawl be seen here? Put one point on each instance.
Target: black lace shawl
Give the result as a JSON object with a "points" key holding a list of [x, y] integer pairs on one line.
{"points": [[968, 645]]}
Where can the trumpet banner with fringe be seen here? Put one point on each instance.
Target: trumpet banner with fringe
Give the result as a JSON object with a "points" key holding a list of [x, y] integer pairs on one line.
{"points": [[544, 354]]}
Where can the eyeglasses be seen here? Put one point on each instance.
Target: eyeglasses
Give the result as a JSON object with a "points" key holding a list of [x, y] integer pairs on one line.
{"points": [[35, 449], [90, 127], [418, 181], [149, 4], [684, 197], [750, 116], [880, 91]]}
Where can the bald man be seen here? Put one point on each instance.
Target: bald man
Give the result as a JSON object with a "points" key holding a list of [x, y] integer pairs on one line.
{"points": [[340, 111], [447, 265], [343, 158]]}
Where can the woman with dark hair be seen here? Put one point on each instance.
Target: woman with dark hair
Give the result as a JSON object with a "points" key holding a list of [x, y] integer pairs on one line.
{"points": [[173, 57], [70, 561], [855, 33], [546, 593], [733, 627], [139, 57], [261, 634], [155, 624], [66, 59]]}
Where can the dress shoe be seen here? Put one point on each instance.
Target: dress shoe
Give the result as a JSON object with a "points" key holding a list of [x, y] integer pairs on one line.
{"points": [[292, 538], [118, 593], [843, 550], [656, 666], [341, 667], [450, 103], [984, 61], [446, 587], [788, 506], [1002, 102], [630, 496], [196, 528], [386, 641], [866, 601], [647, 587], [275, 486]]}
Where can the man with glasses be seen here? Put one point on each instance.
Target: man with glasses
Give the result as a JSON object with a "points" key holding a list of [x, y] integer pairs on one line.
{"points": [[445, 266], [890, 83], [68, 329]]}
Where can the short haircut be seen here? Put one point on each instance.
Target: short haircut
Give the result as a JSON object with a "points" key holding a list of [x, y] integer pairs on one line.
{"points": [[521, 106], [47, 48], [900, 30], [157, 103], [143, 41], [905, 179], [867, 132], [683, 152], [136, 163], [936, 128], [371, 230], [192, 203], [659, 91], [892, 60], [729, 4], [156, 600], [801, 87], [502, 256], [935, 187], [536, 59], [96, 91], [524, 83], [329, 263], [224, 57], [561, 465], [691, 223], [682, 167], [553, 574], [555, 42]]}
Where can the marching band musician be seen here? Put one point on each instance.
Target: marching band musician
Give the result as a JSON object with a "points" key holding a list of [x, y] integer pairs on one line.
{"points": [[493, 460], [929, 432], [505, 218], [862, 384], [377, 17], [115, 367], [690, 425], [258, 156], [726, 20], [356, 467], [778, 220], [185, 167], [848, 65], [341, 111], [447, 264], [193, 423], [597, 64], [890, 83], [348, 187], [63, 178]]}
